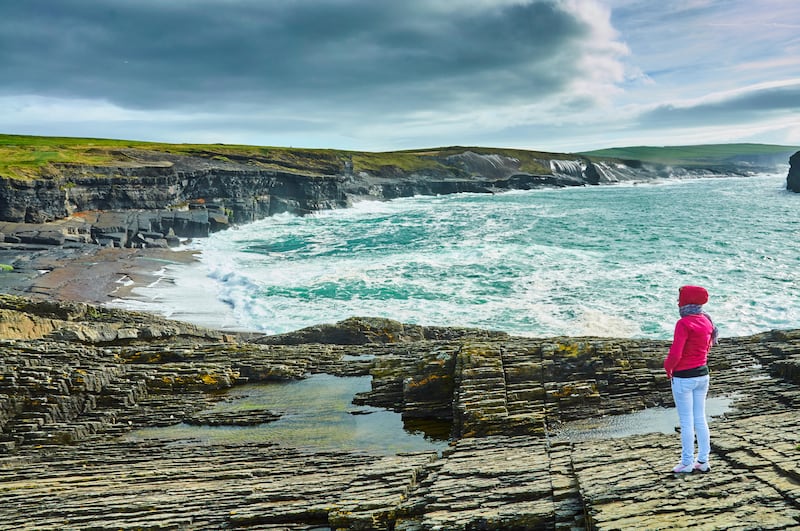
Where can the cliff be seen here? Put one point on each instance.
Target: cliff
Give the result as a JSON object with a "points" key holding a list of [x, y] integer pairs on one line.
{"points": [[793, 179], [133, 194], [249, 189]]}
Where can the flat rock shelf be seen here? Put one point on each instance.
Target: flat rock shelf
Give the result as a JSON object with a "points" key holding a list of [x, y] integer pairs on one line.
{"points": [[76, 380]]}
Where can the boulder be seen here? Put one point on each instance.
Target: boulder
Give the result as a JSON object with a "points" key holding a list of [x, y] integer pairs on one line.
{"points": [[372, 330], [50, 237]]}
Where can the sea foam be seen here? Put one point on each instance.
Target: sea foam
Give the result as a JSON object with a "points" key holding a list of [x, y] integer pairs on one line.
{"points": [[604, 261]]}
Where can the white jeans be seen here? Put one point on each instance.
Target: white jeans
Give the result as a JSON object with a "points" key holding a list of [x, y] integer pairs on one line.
{"points": [[690, 400]]}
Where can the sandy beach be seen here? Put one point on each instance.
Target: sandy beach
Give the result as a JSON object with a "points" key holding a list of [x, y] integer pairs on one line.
{"points": [[92, 275]]}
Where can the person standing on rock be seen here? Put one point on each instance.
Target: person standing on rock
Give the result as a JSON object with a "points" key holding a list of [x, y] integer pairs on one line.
{"points": [[687, 369]]}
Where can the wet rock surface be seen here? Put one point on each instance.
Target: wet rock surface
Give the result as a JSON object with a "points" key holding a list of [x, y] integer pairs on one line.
{"points": [[158, 228], [74, 378], [238, 418]]}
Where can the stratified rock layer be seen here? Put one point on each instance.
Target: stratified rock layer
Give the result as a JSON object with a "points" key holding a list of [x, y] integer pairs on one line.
{"points": [[149, 198], [75, 377], [249, 187]]}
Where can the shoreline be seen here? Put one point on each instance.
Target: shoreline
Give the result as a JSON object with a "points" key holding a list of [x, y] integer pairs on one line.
{"points": [[131, 278], [90, 275]]}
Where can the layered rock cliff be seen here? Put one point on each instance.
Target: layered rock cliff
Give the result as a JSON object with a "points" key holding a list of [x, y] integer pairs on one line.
{"points": [[250, 189], [793, 179], [149, 196]]}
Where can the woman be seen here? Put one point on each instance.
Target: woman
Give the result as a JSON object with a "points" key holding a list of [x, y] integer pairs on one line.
{"points": [[686, 367]]}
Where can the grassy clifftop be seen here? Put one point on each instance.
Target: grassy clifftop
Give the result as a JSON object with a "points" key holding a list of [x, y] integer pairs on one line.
{"points": [[25, 157], [699, 155], [29, 157]]}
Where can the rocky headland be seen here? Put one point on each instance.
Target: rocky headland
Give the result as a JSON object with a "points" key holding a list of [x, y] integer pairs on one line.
{"points": [[75, 378], [116, 207], [138, 195]]}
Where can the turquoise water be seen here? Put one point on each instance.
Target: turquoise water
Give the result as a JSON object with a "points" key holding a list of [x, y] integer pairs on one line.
{"points": [[580, 261]]}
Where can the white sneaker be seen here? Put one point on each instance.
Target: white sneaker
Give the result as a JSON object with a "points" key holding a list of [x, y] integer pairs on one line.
{"points": [[683, 469], [702, 467]]}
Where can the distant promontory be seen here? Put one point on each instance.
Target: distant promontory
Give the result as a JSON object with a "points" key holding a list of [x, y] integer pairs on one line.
{"points": [[793, 179]]}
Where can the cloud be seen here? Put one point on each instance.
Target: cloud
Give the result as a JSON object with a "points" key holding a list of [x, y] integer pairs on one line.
{"points": [[748, 104], [364, 56], [388, 74]]}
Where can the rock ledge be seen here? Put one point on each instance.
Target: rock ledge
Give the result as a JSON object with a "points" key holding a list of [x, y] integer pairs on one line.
{"points": [[74, 377]]}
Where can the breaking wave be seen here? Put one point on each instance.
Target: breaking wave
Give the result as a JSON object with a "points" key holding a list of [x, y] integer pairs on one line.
{"points": [[603, 261]]}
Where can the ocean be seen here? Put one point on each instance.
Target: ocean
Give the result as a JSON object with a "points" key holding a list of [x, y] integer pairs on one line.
{"points": [[585, 261]]}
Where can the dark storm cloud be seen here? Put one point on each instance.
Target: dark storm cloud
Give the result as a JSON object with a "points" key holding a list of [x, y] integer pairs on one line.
{"points": [[745, 106], [160, 54]]}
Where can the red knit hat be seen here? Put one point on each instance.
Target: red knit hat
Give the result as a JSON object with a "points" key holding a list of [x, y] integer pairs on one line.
{"points": [[692, 295]]}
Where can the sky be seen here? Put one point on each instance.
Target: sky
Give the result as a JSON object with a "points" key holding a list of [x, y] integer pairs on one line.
{"points": [[381, 75]]}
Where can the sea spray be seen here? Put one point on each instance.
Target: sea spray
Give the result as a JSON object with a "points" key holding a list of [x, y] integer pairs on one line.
{"points": [[604, 260]]}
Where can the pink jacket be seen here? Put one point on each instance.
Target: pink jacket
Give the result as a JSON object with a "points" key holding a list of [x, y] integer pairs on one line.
{"points": [[690, 344]]}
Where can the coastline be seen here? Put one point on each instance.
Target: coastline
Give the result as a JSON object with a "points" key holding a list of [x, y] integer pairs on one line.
{"points": [[505, 399], [164, 282]]}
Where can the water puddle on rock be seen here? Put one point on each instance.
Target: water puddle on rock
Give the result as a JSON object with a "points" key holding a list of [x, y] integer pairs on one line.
{"points": [[650, 420], [316, 413]]}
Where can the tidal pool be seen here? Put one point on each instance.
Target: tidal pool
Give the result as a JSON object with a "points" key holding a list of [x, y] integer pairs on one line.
{"points": [[316, 413], [650, 420]]}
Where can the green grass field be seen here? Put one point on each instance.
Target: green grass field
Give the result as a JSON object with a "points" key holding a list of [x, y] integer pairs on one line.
{"points": [[28, 157], [700, 155], [25, 157]]}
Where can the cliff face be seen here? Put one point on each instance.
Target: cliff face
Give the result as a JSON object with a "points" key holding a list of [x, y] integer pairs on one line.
{"points": [[149, 198], [248, 192], [793, 179]]}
